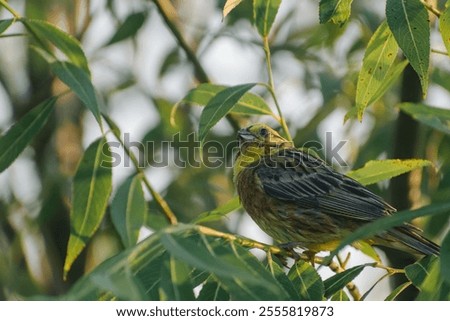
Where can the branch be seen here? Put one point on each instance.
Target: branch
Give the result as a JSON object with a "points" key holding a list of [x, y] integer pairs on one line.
{"points": [[430, 8]]}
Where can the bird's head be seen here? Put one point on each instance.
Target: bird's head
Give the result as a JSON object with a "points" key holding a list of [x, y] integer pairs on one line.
{"points": [[255, 142], [261, 136]]}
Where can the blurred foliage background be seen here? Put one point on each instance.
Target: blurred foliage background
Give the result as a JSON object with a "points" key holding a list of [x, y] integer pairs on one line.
{"points": [[140, 71]]}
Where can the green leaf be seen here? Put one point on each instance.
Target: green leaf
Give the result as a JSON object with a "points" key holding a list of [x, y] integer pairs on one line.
{"points": [[175, 283], [379, 69], [129, 27], [408, 20], [45, 32], [419, 272], [444, 27], [248, 104], [128, 210], [386, 223], [229, 6], [92, 186], [212, 291], [368, 250], [445, 258], [217, 214], [219, 106], [14, 141], [5, 24], [227, 261], [264, 13], [394, 294], [338, 11], [437, 118], [307, 281], [80, 83], [340, 280], [279, 274], [376, 171], [340, 296]]}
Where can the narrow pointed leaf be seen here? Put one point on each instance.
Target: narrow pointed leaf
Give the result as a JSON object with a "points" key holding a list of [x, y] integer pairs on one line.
{"points": [[218, 213], [444, 27], [445, 258], [212, 291], [5, 24], [340, 296], [79, 82], [264, 13], [438, 118], [378, 64], [128, 210], [279, 274], [338, 11], [408, 21], [379, 170], [129, 27], [219, 106], [248, 104], [46, 32], [14, 141], [394, 294], [306, 281], [340, 280], [229, 6], [175, 283], [92, 186]]}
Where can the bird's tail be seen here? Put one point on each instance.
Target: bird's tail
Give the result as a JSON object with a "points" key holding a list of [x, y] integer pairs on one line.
{"points": [[408, 238]]}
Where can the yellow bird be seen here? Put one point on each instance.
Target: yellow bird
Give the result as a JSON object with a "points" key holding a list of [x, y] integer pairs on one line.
{"points": [[301, 202]]}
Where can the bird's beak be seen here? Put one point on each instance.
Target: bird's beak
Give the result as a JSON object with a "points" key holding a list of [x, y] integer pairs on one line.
{"points": [[245, 136]]}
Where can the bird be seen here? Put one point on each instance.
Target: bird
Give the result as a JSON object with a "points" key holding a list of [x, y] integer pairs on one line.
{"points": [[301, 202]]}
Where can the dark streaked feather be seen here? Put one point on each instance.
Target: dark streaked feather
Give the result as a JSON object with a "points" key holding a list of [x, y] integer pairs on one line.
{"points": [[297, 177]]}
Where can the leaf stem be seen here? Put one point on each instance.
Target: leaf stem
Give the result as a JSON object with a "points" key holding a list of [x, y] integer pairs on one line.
{"points": [[271, 87], [156, 196], [5, 4], [441, 52]]}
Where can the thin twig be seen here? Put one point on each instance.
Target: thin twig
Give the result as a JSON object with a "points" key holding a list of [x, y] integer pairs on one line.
{"points": [[271, 87], [430, 8], [10, 9], [441, 52]]}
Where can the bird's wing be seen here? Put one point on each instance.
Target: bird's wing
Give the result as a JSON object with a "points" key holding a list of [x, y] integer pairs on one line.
{"points": [[297, 177]]}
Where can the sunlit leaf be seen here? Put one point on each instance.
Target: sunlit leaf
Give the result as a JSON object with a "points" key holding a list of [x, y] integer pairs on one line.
{"points": [[80, 83], [379, 68], [129, 27], [340, 280], [306, 281], [219, 106], [338, 11], [92, 186], [376, 171], [438, 118], [14, 141], [128, 210], [408, 21], [45, 32], [444, 27], [264, 13], [229, 6], [5, 24]]}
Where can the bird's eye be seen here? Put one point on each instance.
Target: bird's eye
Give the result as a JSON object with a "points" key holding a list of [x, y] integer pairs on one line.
{"points": [[263, 132]]}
